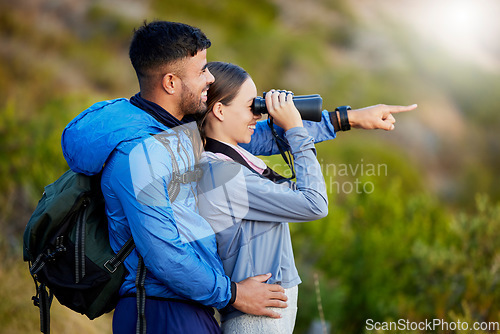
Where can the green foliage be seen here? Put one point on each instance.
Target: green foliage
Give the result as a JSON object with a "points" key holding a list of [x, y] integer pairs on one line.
{"points": [[386, 256], [366, 241], [393, 249], [463, 265], [30, 158], [31, 151]]}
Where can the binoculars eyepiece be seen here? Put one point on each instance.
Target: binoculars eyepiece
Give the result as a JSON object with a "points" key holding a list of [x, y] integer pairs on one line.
{"points": [[309, 106]]}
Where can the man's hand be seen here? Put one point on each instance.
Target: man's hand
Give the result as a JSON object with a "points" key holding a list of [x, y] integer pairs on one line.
{"points": [[376, 117], [254, 296]]}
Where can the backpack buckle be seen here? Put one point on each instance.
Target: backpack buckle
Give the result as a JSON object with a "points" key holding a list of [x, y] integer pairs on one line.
{"points": [[189, 176], [111, 267]]}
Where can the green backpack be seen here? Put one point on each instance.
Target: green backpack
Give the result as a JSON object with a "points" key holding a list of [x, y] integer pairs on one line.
{"points": [[67, 247]]}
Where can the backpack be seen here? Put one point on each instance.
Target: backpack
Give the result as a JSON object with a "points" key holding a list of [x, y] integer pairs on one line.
{"points": [[66, 245]]}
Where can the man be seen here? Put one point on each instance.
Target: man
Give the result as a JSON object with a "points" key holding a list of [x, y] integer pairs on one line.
{"points": [[185, 277]]}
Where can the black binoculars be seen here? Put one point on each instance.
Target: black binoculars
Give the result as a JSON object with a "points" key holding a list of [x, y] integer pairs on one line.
{"points": [[309, 106]]}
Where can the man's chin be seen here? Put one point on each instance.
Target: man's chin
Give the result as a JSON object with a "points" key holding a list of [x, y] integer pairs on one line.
{"points": [[202, 109]]}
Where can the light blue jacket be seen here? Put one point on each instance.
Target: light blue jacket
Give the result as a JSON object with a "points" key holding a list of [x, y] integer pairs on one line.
{"points": [[249, 213], [177, 244]]}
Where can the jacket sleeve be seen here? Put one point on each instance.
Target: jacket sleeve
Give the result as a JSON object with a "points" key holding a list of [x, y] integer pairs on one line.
{"points": [[233, 193], [139, 181], [263, 143]]}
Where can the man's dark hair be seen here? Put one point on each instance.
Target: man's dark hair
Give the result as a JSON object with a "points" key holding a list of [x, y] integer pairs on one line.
{"points": [[161, 43]]}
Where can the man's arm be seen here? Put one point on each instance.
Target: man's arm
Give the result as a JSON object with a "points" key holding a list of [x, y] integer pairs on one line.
{"points": [[373, 117]]}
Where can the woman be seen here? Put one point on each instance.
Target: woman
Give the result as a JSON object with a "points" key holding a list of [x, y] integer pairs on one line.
{"points": [[247, 204]]}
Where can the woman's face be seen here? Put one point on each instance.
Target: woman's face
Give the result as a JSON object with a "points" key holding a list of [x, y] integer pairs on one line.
{"points": [[239, 121]]}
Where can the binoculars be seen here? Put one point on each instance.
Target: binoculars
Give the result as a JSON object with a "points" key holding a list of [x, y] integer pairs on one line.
{"points": [[309, 106]]}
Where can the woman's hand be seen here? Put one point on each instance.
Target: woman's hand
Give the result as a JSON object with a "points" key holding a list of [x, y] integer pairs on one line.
{"points": [[284, 113]]}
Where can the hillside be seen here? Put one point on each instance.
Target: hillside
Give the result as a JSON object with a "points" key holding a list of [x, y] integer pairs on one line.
{"points": [[59, 56]]}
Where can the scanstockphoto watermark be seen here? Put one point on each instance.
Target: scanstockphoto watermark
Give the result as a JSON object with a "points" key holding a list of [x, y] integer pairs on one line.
{"points": [[351, 178], [430, 325]]}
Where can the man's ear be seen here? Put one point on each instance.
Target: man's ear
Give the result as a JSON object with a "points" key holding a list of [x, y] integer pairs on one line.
{"points": [[169, 83], [218, 110]]}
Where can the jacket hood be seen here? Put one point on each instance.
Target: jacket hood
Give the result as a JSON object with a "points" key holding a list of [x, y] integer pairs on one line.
{"points": [[89, 139]]}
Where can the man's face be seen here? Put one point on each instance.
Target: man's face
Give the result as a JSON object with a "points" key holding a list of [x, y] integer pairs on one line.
{"points": [[196, 79]]}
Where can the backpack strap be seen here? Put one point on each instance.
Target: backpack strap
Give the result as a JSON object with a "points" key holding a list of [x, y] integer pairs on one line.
{"points": [[173, 187], [43, 301], [141, 297], [113, 263], [80, 243], [140, 279], [189, 176]]}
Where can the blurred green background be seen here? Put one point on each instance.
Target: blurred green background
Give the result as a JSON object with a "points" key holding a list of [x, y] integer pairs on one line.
{"points": [[414, 224]]}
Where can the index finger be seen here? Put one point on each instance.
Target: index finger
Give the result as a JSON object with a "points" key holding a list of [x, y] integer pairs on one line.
{"points": [[268, 98], [396, 109]]}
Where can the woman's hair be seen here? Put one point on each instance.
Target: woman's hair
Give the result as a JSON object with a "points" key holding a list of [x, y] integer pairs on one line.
{"points": [[228, 80]]}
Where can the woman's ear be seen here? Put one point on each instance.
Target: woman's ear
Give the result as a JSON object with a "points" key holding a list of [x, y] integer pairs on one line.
{"points": [[169, 83], [218, 110]]}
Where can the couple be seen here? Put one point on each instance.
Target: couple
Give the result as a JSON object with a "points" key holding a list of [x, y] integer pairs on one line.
{"points": [[145, 144]]}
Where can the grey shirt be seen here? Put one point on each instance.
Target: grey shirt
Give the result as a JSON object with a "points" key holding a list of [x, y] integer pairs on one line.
{"points": [[249, 213]]}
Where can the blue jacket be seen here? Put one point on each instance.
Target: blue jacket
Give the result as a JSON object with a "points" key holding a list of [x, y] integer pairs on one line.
{"points": [[177, 244]]}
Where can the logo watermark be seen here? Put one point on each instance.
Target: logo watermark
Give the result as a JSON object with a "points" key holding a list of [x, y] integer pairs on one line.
{"points": [[343, 178], [430, 325]]}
